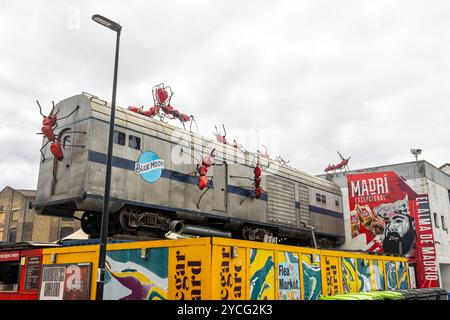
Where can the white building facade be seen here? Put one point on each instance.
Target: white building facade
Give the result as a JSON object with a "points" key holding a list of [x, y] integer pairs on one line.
{"points": [[423, 178]]}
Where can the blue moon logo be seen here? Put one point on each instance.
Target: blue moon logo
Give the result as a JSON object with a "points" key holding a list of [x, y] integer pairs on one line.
{"points": [[149, 166]]}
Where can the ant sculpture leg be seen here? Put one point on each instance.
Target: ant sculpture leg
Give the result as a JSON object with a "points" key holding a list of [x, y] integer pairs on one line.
{"points": [[43, 156], [77, 107], [40, 108], [207, 189]]}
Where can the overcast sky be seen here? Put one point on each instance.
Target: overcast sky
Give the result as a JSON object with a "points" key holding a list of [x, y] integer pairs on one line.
{"points": [[370, 79]]}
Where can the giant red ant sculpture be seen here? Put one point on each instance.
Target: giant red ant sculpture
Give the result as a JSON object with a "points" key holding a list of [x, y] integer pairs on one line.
{"points": [[255, 187], [49, 124], [162, 95], [267, 156], [341, 165], [223, 139]]}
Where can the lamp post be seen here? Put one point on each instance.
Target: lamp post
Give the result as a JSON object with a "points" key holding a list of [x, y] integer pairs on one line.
{"points": [[105, 213]]}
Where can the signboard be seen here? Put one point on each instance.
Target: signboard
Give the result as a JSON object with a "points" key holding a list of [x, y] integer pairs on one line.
{"points": [[288, 276], [65, 282], [149, 166], [331, 276], [231, 272], [33, 266], [427, 268], [187, 267], [9, 256], [386, 215]]}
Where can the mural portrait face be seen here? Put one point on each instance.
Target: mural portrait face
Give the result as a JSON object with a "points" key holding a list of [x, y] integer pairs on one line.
{"points": [[399, 232]]}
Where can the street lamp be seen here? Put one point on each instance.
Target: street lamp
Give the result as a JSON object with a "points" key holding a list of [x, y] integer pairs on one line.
{"points": [[105, 213]]}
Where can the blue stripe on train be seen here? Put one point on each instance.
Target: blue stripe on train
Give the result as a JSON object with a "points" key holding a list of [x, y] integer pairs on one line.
{"points": [[126, 164]]}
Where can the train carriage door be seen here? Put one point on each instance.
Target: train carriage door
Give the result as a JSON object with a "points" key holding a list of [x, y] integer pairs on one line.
{"points": [[220, 173], [61, 169]]}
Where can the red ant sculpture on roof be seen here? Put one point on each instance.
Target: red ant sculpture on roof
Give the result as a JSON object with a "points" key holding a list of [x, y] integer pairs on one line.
{"points": [[49, 124], [341, 165], [162, 95], [223, 139]]}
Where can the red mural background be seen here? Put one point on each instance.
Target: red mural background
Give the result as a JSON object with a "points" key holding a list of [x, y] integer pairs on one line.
{"points": [[394, 219]]}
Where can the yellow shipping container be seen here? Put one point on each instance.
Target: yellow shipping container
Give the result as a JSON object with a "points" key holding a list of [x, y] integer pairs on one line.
{"points": [[218, 269]]}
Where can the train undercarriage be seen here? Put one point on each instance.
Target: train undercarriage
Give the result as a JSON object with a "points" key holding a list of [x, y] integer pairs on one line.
{"points": [[134, 222]]}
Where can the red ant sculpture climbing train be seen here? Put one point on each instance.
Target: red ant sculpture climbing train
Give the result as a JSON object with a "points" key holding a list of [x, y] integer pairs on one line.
{"points": [[341, 165], [162, 95], [49, 124]]}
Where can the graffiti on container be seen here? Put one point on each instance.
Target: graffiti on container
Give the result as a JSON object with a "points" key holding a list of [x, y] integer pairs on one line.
{"points": [[288, 276], [331, 275], [312, 280], [231, 274], [377, 275], [261, 275], [402, 275], [391, 275], [132, 277], [349, 274], [364, 283], [188, 282]]}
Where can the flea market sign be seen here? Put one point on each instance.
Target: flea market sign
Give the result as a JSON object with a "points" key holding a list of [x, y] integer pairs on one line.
{"points": [[149, 166]]}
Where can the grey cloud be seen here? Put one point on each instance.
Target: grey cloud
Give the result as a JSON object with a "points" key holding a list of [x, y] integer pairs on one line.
{"points": [[367, 78]]}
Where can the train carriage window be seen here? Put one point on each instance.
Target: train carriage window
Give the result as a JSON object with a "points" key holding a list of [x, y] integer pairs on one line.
{"points": [[119, 138], [134, 142], [321, 198], [9, 276]]}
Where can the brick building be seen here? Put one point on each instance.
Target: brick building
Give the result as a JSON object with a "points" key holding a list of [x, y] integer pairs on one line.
{"points": [[19, 222]]}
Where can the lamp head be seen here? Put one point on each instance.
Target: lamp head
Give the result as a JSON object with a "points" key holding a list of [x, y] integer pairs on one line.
{"points": [[107, 22]]}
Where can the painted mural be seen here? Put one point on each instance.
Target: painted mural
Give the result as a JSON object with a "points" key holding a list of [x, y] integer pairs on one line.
{"points": [[262, 275], [187, 269], [231, 273], [364, 283], [331, 276], [312, 278], [402, 275], [384, 216], [288, 276], [131, 277], [391, 275], [349, 282], [377, 275]]}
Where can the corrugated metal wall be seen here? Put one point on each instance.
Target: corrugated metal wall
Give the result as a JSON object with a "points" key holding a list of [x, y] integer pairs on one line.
{"points": [[281, 201]]}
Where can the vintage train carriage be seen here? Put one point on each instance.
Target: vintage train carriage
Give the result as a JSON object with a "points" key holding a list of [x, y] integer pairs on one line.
{"points": [[166, 197]]}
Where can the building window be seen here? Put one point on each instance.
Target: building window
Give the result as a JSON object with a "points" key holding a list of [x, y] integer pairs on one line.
{"points": [[324, 199], [119, 138], [337, 203], [12, 235], [9, 276], [15, 214], [444, 223], [65, 231], [27, 231], [436, 220], [134, 142]]}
